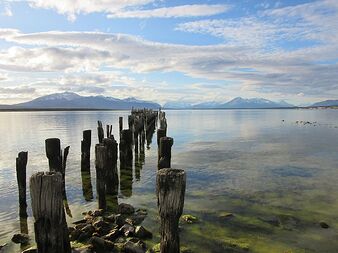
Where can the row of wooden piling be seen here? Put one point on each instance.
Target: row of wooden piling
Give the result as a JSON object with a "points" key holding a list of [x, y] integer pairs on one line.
{"points": [[48, 193]]}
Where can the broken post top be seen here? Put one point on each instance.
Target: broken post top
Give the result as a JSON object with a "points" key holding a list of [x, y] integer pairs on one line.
{"points": [[87, 136], [168, 140], [53, 147], [22, 158]]}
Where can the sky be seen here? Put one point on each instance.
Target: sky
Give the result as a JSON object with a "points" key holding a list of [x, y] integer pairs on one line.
{"points": [[160, 50]]}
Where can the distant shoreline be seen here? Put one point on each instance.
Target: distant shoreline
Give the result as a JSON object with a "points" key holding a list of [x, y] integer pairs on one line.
{"points": [[171, 109]]}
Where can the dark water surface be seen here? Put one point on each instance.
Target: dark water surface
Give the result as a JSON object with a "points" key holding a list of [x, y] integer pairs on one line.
{"points": [[278, 178]]}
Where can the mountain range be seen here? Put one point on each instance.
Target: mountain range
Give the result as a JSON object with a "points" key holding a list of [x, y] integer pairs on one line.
{"points": [[326, 103], [234, 103], [70, 100], [73, 101]]}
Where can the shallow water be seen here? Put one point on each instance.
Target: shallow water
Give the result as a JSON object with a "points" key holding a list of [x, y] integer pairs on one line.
{"points": [[278, 178]]}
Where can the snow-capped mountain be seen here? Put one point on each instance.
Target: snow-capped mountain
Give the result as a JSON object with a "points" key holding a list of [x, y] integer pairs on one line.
{"points": [[69, 100], [254, 103]]}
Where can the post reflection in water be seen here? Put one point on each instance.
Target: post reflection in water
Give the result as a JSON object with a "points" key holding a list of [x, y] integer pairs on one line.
{"points": [[139, 162], [126, 179], [87, 188], [149, 135]]}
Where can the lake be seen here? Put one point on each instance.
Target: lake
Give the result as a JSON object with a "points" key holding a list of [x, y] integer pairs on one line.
{"points": [[258, 180]]}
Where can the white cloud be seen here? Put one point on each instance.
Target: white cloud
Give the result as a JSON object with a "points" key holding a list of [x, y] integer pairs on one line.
{"points": [[315, 22], [194, 10], [125, 8], [7, 11], [77, 53]]}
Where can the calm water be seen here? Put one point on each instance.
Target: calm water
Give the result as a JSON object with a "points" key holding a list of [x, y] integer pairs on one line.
{"points": [[279, 179]]}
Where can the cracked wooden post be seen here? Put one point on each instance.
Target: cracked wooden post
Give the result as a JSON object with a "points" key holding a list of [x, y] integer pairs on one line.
{"points": [[165, 152], [51, 232], [85, 150], [100, 165], [21, 167], [170, 190], [100, 131]]}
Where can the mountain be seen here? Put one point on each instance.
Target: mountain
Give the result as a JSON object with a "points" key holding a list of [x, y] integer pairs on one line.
{"points": [[326, 103], [69, 100], [177, 105], [255, 103], [207, 105], [235, 103]]}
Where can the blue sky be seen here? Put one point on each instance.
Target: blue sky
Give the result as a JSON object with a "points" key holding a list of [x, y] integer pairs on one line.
{"points": [[160, 50]]}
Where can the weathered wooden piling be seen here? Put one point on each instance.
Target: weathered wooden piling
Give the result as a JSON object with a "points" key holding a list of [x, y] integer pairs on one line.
{"points": [[109, 130], [126, 147], [165, 152], [112, 179], [120, 125], [54, 155], [51, 231], [100, 165], [85, 150], [21, 167], [170, 190], [100, 131], [160, 133]]}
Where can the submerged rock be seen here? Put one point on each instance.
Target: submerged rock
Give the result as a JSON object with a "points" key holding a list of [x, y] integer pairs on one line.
{"points": [[225, 215], [323, 224], [20, 238], [3, 245], [101, 245], [157, 249], [235, 245], [124, 208], [134, 246]]}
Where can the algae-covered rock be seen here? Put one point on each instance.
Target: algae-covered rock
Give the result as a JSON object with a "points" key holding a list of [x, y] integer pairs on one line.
{"points": [[157, 249], [20, 238], [235, 245], [225, 215], [188, 218]]}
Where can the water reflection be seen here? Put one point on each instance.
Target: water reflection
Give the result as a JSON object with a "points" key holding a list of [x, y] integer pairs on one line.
{"points": [[139, 162], [87, 188], [126, 180]]}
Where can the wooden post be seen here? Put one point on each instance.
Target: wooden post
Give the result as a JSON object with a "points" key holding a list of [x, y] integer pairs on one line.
{"points": [[51, 232], [170, 190], [100, 131], [109, 129], [100, 165], [120, 125], [160, 133], [53, 152], [126, 147], [85, 150], [165, 152], [21, 166], [112, 179]]}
